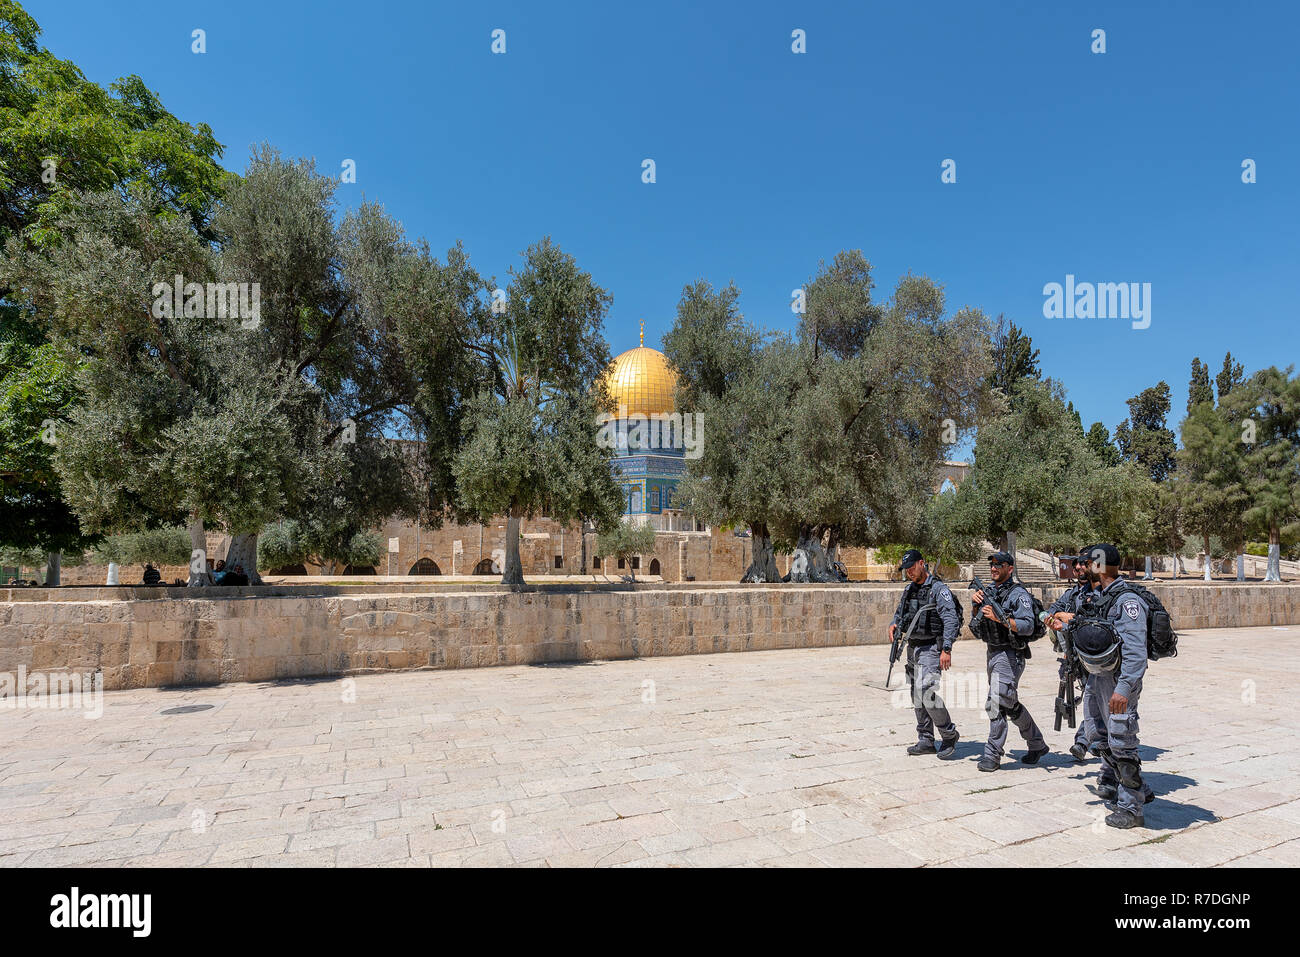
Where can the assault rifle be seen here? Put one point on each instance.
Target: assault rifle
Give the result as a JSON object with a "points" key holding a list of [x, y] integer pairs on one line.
{"points": [[991, 600], [900, 640], [1070, 672]]}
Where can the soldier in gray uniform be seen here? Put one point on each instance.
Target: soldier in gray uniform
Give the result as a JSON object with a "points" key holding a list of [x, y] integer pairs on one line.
{"points": [[1007, 652], [929, 651], [1110, 638], [1074, 599]]}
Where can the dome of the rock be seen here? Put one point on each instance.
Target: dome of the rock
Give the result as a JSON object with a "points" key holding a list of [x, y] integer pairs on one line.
{"points": [[641, 381]]}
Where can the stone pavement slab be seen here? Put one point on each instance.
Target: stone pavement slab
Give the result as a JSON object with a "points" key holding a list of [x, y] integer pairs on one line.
{"points": [[772, 758]]}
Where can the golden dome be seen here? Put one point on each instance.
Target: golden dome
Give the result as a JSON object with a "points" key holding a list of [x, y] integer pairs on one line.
{"points": [[641, 380]]}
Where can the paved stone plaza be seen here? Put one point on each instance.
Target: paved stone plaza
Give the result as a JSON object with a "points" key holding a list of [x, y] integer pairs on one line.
{"points": [[772, 758]]}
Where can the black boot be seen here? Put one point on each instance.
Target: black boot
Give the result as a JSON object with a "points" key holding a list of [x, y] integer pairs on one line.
{"points": [[1032, 757], [921, 747], [1078, 751], [1123, 819], [949, 746], [987, 764]]}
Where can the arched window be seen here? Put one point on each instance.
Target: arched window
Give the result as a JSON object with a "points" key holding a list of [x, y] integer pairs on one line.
{"points": [[654, 498], [654, 566], [425, 566], [636, 499], [484, 567]]}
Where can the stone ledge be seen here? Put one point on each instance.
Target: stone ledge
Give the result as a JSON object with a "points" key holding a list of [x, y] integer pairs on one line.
{"points": [[270, 633]]}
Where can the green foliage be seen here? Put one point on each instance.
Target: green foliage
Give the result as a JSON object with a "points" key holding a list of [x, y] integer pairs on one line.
{"points": [[623, 540], [891, 554], [1211, 487], [1269, 401], [298, 543], [60, 134], [1229, 377], [1099, 443], [161, 546], [1014, 358], [1032, 471], [710, 345], [839, 429], [37, 392], [839, 314], [1143, 437], [948, 521], [97, 139], [1198, 388], [530, 440]]}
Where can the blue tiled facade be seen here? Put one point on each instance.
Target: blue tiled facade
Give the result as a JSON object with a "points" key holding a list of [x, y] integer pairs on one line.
{"points": [[649, 480]]}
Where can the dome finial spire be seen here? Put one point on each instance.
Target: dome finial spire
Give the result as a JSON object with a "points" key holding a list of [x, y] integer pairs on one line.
{"points": [[642, 332]]}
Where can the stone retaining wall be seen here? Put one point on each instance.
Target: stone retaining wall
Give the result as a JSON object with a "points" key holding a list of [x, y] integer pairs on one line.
{"points": [[160, 637]]}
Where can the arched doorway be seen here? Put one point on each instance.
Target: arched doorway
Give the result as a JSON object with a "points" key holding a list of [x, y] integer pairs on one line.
{"points": [[654, 566], [484, 567], [425, 566]]}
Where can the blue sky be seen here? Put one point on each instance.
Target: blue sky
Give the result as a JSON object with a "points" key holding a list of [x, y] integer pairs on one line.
{"points": [[1115, 167]]}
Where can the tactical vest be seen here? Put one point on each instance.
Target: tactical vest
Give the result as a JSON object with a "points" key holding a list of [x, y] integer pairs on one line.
{"points": [[994, 634], [930, 628]]}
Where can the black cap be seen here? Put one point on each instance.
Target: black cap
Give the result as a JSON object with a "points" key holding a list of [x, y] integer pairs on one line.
{"points": [[1006, 557], [910, 558], [1106, 554]]}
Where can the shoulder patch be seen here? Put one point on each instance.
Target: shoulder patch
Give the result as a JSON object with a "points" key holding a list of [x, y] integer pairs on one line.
{"points": [[1131, 609], [1024, 600], [945, 594]]}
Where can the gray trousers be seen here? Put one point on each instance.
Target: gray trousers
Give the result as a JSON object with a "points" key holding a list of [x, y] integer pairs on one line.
{"points": [[1115, 738], [1083, 731], [923, 674], [1005, 668]]}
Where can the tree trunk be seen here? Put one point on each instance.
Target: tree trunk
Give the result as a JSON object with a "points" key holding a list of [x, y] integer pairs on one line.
{"points": [[1175, 564], [513, 573], [199, 574], [53, 564], [112, 574], [1148, 576], [1205, 539], [1274, 572], [1241, 566], [243, 551], [582, 535], [809, 562], [762, 566]]}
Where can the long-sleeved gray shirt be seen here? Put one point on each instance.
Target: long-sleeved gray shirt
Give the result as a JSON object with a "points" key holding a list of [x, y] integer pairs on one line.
{"points": [[1128, 614]]}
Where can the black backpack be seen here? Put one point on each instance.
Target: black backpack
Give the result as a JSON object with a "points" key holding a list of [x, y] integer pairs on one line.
{"points": [[1162, 640]]}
